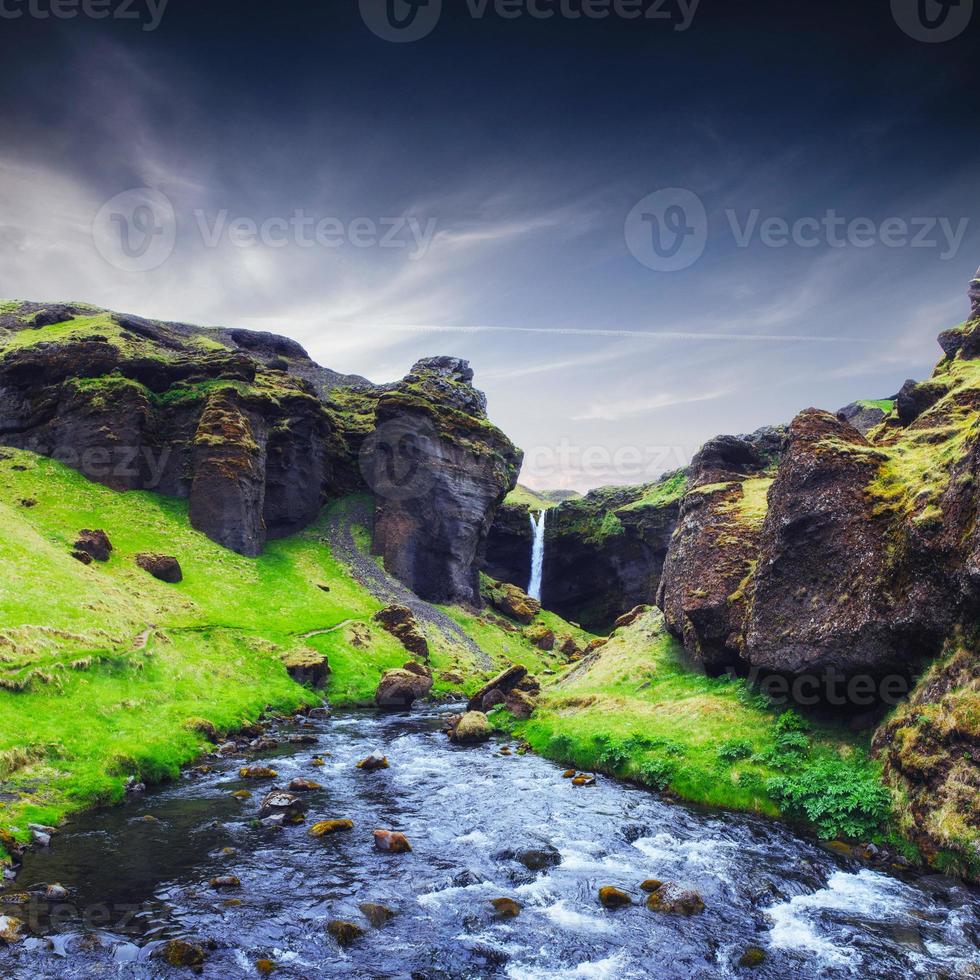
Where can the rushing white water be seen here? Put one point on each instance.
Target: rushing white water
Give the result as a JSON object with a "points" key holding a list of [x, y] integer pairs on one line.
{"points": [[537, 555]]}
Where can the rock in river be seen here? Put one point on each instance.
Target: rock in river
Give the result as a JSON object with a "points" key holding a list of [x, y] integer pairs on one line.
{"points": [[400, 687], [614, 898], [327, 827], [345, 933], [391, 842], [469, 728]]}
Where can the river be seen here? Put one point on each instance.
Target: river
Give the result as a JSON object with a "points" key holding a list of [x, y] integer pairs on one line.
{"points": [[472, 814]]}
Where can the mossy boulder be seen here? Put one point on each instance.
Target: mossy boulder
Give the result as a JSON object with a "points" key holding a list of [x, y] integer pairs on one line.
{"points": [[514, 602], [179, 953], [400, 621], [506, 908], [344, 933], [614, 898], [470, 728], [327, 828], [308, 667], [540, 636], [401, 687], [675, 900], [165, 568]]}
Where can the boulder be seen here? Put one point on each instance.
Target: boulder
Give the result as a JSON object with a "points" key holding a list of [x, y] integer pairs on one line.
{"points": [[753, 956], [917, 397], [400, 621], [373, 762], [629, 618], [391, 842], [166, 568], [504, 682], [569, 648], [470, 728], [541, 637], [11, 929], [281, 801], [520, 705], [225, 882], [377, 915], [400, 687], [614, 898], [83, 556], [257, 772], [344, 933], [326, 828], [512, 601], [94, 543], [308, 667], [506, 908], [179, 953], [674, 900], [300, 785], [537, 858]]}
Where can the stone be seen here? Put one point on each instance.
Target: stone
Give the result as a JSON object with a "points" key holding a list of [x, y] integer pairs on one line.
{"points": [[83, 556], [504, 682], [569, 648], [179, 953], [373, 762], [651, 885], [308, 667], [391, 842], [470, 728], [257, 772], [537, 858], [520, 705], [629, 618], [11, 929], [614, 898], [282, 801], [344, 933], [540, 636], [673, 899], [401, 687], [506, 908], [94, 543], [265, 967], [225, 881], [166, 568], [754, 956], [400, 621], [377, 915], [41, 838], [300, 785], [569, 774], [325, 828], [584, 779], [56, 893], [512, 601]]}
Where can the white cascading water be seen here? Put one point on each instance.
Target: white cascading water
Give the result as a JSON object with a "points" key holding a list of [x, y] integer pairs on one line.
{"points": [[537, 556]]}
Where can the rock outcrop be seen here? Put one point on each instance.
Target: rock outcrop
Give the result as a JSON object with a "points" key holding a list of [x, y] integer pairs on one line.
{"points": [[257, 436], [439, 469], [715, 549]]}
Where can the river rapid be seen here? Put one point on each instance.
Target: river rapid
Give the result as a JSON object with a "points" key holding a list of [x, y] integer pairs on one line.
{"points": [[475, 818]]}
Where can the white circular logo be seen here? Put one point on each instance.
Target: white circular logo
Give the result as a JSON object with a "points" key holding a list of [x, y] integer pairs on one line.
{"points": [[135, 231], [398, 459], [668, 230], [401, 21], [932, 21]]}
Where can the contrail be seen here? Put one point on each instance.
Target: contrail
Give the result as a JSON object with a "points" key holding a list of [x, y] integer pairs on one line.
{"points": [[638, 334]]}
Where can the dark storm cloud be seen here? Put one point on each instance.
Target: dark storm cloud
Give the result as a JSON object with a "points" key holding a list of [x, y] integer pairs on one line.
{"points": [[379, 200]]}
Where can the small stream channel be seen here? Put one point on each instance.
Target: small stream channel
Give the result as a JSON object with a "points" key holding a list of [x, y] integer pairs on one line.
{"points": [[472, 815]]}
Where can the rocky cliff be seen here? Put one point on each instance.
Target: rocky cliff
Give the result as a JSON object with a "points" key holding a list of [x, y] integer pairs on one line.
{"points": [[256, 435]]}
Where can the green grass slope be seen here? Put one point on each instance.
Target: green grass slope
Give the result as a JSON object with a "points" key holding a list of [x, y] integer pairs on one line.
{"points": [[106, 673], [637, 709]]}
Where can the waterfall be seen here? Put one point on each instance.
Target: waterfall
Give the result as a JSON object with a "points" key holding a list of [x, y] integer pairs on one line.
{"points": [[537, 556]]}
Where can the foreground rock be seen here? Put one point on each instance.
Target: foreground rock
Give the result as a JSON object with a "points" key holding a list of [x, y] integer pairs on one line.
{"points": [[614, 898], [11, 929], [495, 691], [345, 933], [674, 900], [95, 544], [401, 687], [506, 908], [373, 762], [166, 568], [470, 728], [391, 842]]}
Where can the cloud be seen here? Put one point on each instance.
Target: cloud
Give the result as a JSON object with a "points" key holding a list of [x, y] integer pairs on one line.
{"points": [[614, 411]]}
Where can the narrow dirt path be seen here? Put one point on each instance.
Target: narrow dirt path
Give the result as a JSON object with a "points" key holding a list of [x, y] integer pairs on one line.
{"points": [[340, 539]]}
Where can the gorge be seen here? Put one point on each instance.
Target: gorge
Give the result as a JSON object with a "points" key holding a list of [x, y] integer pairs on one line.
{"points": [[216, 541]]}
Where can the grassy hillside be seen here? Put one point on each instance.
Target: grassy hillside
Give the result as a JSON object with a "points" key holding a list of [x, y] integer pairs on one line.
{"points": [[107, 673], [637, 709]]}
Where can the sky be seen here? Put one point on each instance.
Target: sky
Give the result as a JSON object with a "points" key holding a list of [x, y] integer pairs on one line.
{"points": [[641, 231]]}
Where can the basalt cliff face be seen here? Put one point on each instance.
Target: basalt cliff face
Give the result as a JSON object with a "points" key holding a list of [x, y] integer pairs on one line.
{"points": [[257, 436]]}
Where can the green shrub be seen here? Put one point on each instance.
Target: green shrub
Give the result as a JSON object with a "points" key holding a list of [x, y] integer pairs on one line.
{"points": [[840, 798], [734, 749], [657, 772]]}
